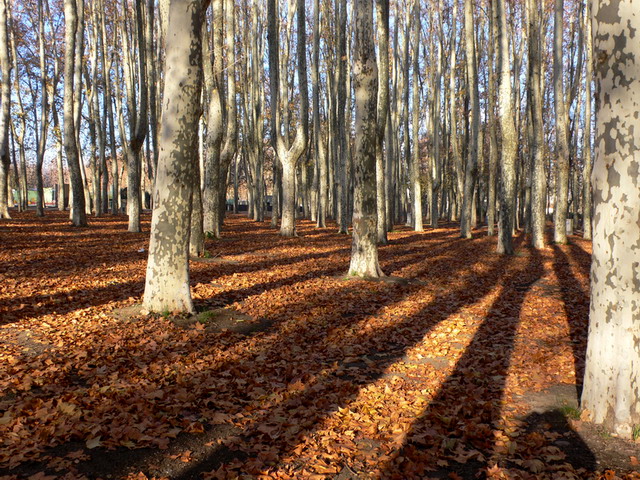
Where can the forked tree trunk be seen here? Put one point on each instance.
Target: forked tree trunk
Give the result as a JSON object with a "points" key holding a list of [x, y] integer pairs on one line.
{"points": [[611, 384], [290, 157], [364, 250], [167, 281]]}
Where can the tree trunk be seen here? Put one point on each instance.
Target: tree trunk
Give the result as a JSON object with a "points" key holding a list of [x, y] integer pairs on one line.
{"points": [[382, 21], [416, 186], [562, 148], [611, 393], [215, 125], [364, 250], [5, 67], [493, 137], [167, 280], [78, 212], [472, 148], [586, 173], [509, 151], [340, 149]]}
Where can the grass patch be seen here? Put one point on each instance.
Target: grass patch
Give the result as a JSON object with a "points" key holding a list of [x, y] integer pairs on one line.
{"points": [[571, 412]]}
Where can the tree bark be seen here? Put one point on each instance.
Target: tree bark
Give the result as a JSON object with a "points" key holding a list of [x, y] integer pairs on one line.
{"points": [[167, 280], [78, 212], [586, 174], [611, 383], [215, 125], [416, 186], [509, 150], [5, 67], [538, 183], [364, 250], [382, 21], [562, 147], [472, 150]]}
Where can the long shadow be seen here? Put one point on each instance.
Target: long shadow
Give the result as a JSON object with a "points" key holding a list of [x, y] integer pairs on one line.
{"points": [[333, 268], [15, 309], [312, 371], [581, 257], [309, 337], [576, 306], [336, 381], [461, 417]]}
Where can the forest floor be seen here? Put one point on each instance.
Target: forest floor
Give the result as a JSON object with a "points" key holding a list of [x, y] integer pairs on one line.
{"points": [[462, 364]]}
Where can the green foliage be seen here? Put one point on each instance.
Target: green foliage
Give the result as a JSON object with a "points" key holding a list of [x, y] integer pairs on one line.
{"points": [[635, 432]]}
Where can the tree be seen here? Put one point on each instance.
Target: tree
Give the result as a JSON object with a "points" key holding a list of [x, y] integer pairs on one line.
{"points": [[562, 147], [138, 113], [5, 66], [290, 156], [167, 280], [364, 249], [78, 212], [538, 186], [416, 186], [214, 82], [382, 22], [612, 375], [586, 204], [509, 137], [472, 149], [318, 138]]}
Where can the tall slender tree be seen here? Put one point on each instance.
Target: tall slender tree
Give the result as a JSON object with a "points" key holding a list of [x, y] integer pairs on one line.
{"points": [[416, 186], [78, 211], [472, 148], [586, 175], [5, 71], [538, 183], [508, 152], [382, 23], [562, 147]]}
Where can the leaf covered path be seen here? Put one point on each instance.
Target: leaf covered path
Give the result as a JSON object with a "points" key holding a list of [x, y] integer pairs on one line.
{"points": [[290, 370]]}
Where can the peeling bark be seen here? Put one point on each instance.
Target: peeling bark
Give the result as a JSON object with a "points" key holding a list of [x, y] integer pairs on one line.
{"points": [[612, 376], [167, 280]]}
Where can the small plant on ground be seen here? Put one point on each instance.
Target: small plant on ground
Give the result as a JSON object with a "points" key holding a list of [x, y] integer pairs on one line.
{"points": [[570, 412]]}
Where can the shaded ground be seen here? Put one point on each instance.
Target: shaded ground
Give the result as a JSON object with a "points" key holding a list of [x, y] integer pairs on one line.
{"points": [[463, 366]]}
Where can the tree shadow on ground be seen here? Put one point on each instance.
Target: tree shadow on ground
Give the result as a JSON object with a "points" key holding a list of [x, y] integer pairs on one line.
{"points": [[464, 421], [575, 301], [344, 368]]}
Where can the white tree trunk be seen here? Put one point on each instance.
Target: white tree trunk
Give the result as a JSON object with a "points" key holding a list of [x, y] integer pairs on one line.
{"points": [[167, 281], [612, 376]]}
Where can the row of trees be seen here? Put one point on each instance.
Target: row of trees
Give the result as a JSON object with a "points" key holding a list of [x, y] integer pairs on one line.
{"points": [[471, 111], [462, 129]]}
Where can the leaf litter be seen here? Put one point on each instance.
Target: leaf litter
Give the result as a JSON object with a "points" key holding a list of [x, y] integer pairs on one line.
{"points": [[288, 371]]}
